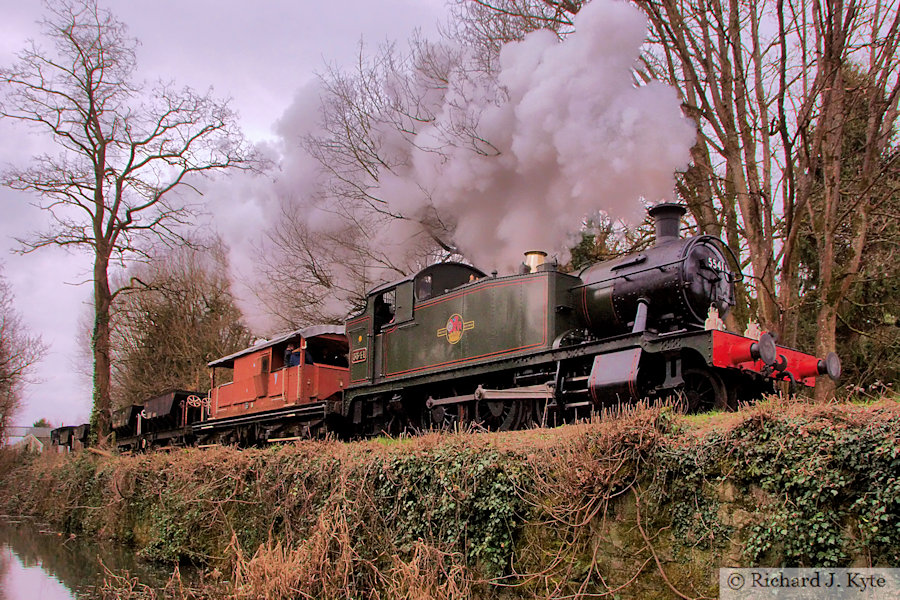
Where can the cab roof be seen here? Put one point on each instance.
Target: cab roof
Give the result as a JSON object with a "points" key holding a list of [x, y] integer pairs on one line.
{"points": [[427, 271], [304, 333]]}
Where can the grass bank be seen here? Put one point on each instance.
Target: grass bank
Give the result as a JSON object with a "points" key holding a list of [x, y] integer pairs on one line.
{"points": [[646, 504]]}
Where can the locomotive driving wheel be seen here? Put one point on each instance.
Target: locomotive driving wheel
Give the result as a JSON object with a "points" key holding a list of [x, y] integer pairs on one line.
{"points": [[546, 414], [499, 415], [704, 390], [445, 418]]}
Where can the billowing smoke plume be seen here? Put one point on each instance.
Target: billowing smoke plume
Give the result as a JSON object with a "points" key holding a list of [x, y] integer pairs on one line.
{"points": [[429, 147], [573, 136]]}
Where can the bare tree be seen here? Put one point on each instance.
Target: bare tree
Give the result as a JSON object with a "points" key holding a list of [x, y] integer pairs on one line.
{"points": [[123, 150], [18, 354], [768, 89], [843, 144], [177, 315], [315, 277], [321, 276], [370, 117]]}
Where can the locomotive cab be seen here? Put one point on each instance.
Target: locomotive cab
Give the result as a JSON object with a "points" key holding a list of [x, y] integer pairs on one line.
{"points": [[392, 305]]}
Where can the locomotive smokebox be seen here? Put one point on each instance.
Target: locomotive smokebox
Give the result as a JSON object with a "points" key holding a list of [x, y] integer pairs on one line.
{"points": [[667, 216], [678, 279]]}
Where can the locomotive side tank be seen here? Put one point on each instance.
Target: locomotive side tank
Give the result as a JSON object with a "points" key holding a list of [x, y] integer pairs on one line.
{"points": [[412, 328], [445, 331]]}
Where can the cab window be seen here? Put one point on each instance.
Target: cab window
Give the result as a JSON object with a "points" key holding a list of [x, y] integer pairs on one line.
{"points": [[424, 287], [385, 304]]}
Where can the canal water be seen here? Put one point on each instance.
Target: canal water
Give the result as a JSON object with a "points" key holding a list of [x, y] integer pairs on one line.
{"points": [[37, 564]]}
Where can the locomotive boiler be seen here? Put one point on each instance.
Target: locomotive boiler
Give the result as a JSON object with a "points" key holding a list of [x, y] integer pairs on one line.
{"points": [[669, 287]]}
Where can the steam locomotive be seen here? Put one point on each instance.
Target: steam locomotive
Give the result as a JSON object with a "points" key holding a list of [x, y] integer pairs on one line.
{"points": [[451, 345]]}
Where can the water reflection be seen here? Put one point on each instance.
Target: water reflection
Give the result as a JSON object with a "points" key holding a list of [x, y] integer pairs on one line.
{"points": [[20, 582], [40, 565]]}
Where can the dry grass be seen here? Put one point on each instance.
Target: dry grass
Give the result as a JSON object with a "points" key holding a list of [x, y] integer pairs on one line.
{"points": [[321, 566], [331, 520], [123, 586], [430, 573]]}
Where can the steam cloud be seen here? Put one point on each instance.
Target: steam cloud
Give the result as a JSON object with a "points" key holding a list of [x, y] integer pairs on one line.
{"points": [[562, 132], [573, 137]]}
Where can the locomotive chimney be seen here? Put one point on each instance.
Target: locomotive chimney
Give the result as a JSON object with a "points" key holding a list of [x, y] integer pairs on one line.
{"points": [[534, 259], [667, 216]]}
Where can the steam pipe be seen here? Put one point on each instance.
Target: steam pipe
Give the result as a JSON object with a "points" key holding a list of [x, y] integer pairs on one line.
{"points": [[640, 316]]}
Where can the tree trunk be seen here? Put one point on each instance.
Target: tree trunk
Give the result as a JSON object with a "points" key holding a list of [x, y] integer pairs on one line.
{"points": [[789, 301], [759, 249], [102, 414], [831, 291], [826, 324]]}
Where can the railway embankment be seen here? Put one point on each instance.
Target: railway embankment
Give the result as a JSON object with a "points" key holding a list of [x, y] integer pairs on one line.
{"points": [[643, 504]]}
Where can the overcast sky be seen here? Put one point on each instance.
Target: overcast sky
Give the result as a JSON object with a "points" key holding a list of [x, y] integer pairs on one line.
{"points": [[259, 54]]}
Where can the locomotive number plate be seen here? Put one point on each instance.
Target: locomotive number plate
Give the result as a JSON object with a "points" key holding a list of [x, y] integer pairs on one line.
{"points": [[359, 355], [715, 264]]}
